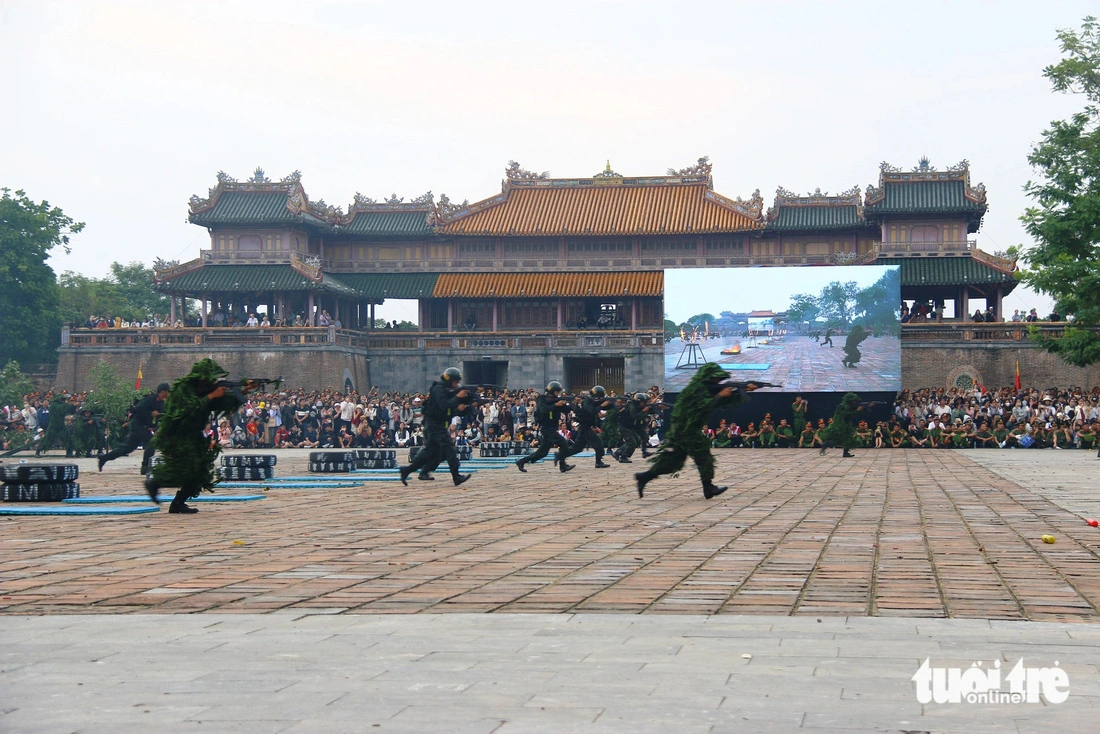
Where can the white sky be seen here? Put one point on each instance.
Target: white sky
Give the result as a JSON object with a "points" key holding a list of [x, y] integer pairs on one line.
{"points": [[119, 111], [691, 291]]}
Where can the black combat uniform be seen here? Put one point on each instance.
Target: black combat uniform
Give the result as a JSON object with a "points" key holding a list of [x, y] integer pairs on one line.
{"points": [[442, 405], [632, 420], [549, 409], [141, 429], [587, 416]]}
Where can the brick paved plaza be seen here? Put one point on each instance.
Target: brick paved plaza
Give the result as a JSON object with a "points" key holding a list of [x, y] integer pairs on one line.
{"points": [[889, 533], [803, 600]]}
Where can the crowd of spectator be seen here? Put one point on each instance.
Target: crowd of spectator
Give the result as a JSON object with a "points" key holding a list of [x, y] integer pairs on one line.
{"points": [[296, 418]]}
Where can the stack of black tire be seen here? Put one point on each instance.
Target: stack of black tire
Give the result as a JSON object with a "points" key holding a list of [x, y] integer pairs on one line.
{"points": [[465, 453], [332, 461], [247, 467], [495, 449], [39, 482], [521, 448], [376, 458]]}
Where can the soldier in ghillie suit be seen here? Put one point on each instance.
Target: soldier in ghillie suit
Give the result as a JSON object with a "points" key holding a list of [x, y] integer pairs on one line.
{"points": [[187, 455], [60, 409], [851, 346], [685, 437], [841, 431]]}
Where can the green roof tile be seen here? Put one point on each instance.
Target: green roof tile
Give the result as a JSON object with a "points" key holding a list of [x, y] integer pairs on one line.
{"points": [[925, 196], [251, 279], [817, 217], [389, 223], [920, 271], [244, 207], [377, 286]]}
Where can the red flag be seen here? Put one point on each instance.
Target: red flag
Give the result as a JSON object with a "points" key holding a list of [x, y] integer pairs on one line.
{"points": [[1017, 375], [138, 385]]}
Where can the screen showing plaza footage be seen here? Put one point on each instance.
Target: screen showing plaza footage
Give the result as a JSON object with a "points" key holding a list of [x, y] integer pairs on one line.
{"points": [[806, 329]]}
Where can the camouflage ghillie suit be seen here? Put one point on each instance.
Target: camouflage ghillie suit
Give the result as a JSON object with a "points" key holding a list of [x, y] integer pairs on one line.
{"points": [[851, 346], [841, 433], [685, 435], [188, 455]]}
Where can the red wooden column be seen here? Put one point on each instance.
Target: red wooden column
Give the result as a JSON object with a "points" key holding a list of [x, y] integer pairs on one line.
{"points": [[561, 313]]}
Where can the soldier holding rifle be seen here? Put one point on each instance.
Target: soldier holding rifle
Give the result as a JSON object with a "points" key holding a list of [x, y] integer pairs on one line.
{"points": [[445, 400]]}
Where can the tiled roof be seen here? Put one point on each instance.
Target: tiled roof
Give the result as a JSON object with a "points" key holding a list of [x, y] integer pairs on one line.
{"points": [[920, 271], [249, 279], [816, 217], [926, 196], [590, 207], [245, 207], [541, 285], [412, 223], [378, 286]]}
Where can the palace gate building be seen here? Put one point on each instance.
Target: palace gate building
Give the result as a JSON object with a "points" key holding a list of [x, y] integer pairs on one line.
{"points": [[551, 278]]}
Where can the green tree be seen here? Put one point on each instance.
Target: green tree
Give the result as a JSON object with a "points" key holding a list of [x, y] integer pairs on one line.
{"points": [[803, 310], [14, 384], [111, 396], [837, 303], [125, 292], [1065, 221], [29, 297]]}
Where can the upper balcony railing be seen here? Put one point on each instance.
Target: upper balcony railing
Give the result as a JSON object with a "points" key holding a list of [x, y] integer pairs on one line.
{"points": [[969, 331], [212, 337], [918, 249], [245, 257]]}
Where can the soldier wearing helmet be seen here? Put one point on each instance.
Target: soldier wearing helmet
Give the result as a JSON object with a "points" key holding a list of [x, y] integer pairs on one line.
{"points": [[587, 417], [633, 418], [549, 409], [445, 400]]}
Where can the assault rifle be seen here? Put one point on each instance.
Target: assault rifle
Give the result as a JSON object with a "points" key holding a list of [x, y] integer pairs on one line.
{"points": [[742, 386], [238, 387]]}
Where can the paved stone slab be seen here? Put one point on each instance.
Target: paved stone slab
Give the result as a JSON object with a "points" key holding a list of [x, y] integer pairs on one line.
{"points": [[903, 533], [302, 672]]}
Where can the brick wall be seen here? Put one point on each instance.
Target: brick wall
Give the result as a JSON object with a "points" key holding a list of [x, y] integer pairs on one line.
{"points": [[993, 365]]}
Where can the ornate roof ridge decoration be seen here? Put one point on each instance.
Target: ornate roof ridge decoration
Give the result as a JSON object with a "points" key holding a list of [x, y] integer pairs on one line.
{"points": [[309, 268], [364, 204], [1004, 264], [702, 167], [753, 207], [817, 197], [515, 172], [291, 184], [925, 171], [167, 269], [607, 172]]}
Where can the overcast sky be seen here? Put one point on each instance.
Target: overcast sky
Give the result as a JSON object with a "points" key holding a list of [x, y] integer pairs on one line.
{"points": [[691, 291], [118, 112]]}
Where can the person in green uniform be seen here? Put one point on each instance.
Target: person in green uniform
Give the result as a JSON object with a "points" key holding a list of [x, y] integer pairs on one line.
{"points": [[700, 398], [806, 437], [799, 408], [784, 435], [188, 456], [898, 437], [767, 433], [984, 438], [841, 431]]}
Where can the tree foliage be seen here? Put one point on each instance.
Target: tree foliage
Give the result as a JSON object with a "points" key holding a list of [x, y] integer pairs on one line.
{"points": [[29, 297], [1065, 221], [125, 292], [14, 384], [112, 394]]}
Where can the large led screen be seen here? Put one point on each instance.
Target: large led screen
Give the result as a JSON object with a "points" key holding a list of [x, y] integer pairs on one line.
{"points": [[809, 329]]}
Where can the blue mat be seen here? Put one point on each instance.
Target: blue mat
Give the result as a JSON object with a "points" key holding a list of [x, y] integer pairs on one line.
{"points": [[63, 510], [163, 498], [304, 485], [735, 367], [329, 478]]}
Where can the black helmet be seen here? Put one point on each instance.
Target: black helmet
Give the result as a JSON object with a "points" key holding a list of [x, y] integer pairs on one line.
{"points": [[598, 391], [554, 386], [452, 374], [641, 397]]}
